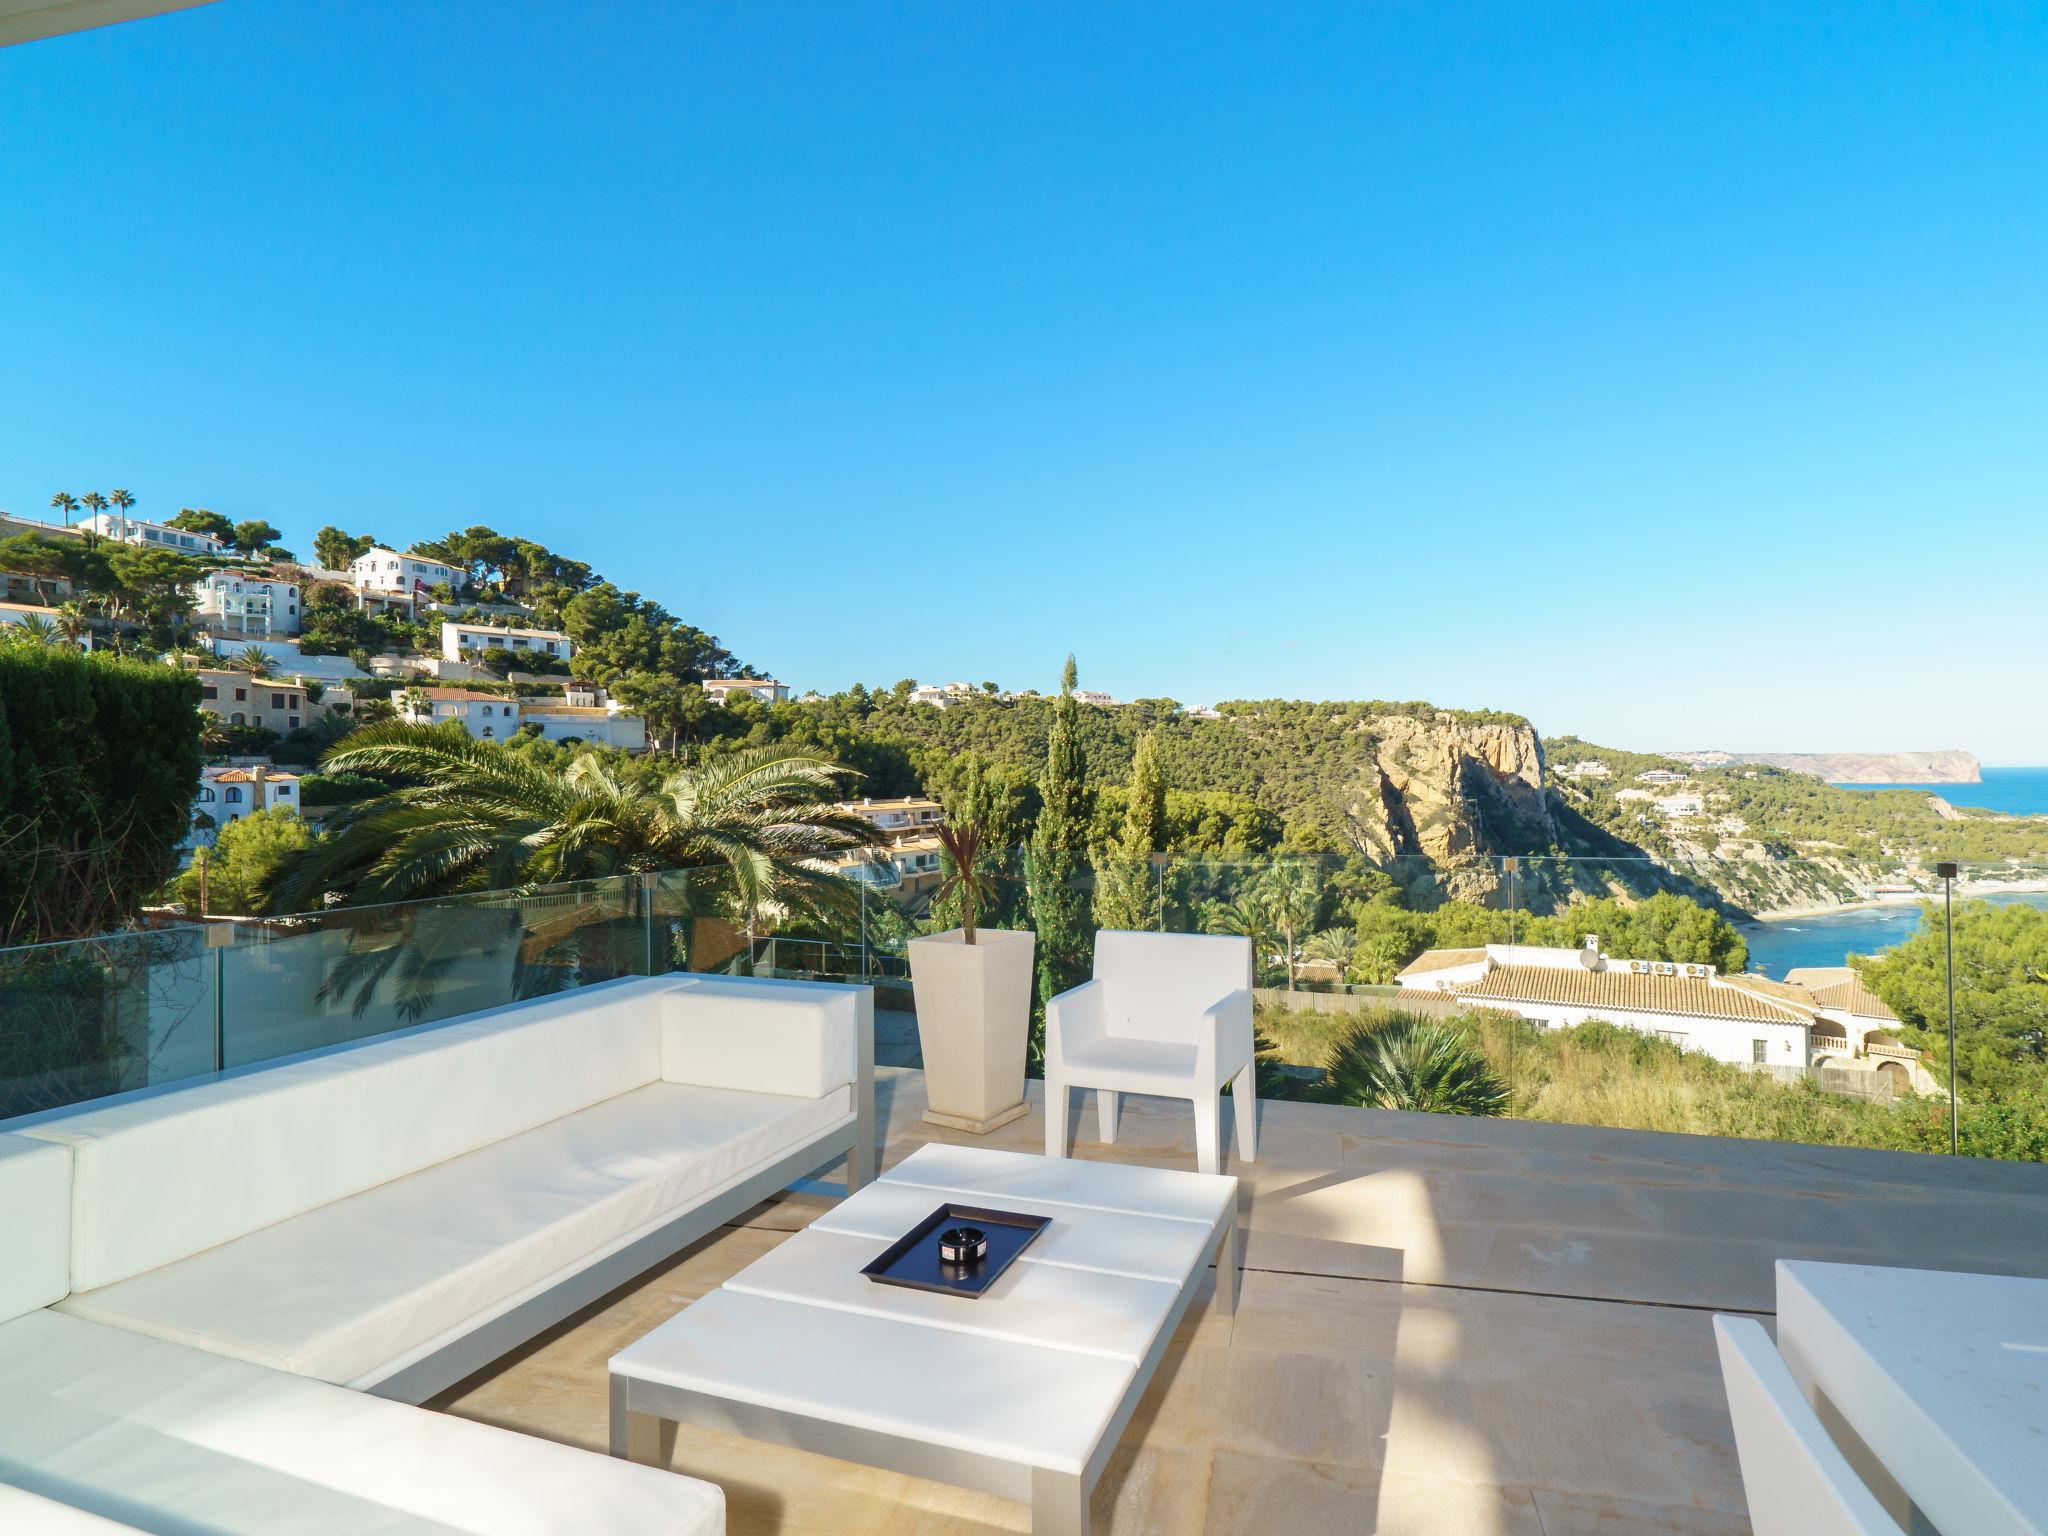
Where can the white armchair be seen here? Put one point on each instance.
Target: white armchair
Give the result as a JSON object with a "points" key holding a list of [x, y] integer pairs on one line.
{"points": [[1167, 1014]]}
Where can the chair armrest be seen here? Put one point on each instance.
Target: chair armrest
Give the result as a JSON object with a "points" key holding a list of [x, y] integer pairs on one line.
{"points": [[1073, 1020], [1223, 1040], [798, 1038]]}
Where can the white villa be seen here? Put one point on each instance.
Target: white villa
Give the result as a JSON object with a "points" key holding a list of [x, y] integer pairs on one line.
{"points": [[229, 794], [389, 570], [585, 713], [486, 716], [238, 605], [456, 639], [939, 697], [1750, 1021], [766, 689], [133, 530]]}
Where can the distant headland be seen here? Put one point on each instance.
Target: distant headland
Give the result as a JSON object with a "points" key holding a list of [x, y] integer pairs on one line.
{"points": [[1946, 767]]}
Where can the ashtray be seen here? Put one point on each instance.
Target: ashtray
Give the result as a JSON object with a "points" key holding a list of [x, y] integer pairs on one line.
{"points": [[959, 1249], [963, 1245]]}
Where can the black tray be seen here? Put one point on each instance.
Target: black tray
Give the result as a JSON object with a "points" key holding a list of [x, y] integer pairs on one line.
{"points": [[913, 1259]]}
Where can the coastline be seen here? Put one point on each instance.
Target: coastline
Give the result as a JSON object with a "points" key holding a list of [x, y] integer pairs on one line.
{"points": [[1965, 890]]}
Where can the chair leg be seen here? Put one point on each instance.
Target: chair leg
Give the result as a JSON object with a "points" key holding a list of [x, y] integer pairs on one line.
{"points": [[1244, 1093], [1105, 1106], [1207, 1114], [1055, 1118]]}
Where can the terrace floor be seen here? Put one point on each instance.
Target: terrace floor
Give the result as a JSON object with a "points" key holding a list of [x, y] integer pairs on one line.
{"points": [[1468, 1327]]}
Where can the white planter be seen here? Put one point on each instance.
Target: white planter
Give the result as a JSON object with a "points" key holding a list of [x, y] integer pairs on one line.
{"points": [[973, 1021]]}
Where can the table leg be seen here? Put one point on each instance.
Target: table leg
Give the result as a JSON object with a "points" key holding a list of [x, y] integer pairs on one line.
{"points": [[1226, 1270], [640, 1437], [1059, 1504]]}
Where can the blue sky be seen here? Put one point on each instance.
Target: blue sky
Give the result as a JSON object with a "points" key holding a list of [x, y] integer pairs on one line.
{"points": [[1676, 379]]}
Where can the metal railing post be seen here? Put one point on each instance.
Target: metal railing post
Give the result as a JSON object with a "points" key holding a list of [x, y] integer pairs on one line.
{"points": [[648, 884], [218, 937], [1948, 871]]}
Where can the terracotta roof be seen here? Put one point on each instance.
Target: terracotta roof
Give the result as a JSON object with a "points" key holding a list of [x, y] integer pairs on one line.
{"points": [[1441, 960], [1841, 988], [1628, 991], [462, 695]]}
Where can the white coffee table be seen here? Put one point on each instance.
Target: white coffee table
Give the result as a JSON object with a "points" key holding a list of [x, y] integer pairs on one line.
{"points": [[1022, 1393]]}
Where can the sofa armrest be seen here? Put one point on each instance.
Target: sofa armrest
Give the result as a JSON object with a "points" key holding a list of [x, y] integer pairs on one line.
{"points": [[1223, 1041], [1073, 1021], [800, 1038]]}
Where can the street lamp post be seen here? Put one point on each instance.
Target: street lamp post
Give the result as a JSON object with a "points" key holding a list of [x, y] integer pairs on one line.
{"points": [[1947, 870]]}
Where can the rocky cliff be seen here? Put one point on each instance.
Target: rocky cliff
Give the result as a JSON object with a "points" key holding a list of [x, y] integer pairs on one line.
{"points": [[1449, 791]]}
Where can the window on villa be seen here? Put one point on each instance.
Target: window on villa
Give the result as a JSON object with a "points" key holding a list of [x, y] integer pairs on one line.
{"points": [[241, 697], [237, 718], [292, 722], [234, 797], [277, 701], [1759, 1051], [487, 733], [208, 691]]}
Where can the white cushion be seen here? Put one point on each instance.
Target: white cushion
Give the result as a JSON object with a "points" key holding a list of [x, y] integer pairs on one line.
{"points": [[27, 1514], [353, 1290], [35, 1213], [175, 1439], [158, 1178], [1157, 985], [793, 1037]]}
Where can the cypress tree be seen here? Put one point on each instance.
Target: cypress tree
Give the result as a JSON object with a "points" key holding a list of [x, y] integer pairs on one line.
{"points": [[1058, 913], [1126, 889]]}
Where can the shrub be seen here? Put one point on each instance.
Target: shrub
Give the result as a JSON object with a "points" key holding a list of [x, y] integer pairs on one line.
{"points": [[99, 760], [1404, 1061]]}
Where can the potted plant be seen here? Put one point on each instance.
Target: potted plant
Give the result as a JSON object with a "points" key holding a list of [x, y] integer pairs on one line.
{"points": [[972, 985]]}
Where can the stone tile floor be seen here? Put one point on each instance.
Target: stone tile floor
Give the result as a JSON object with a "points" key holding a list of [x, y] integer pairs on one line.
{"points": [[1454, 1326]]}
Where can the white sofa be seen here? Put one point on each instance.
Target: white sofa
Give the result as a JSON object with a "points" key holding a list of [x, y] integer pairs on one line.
{"points": [[1167, 1014], [391, 1216]]}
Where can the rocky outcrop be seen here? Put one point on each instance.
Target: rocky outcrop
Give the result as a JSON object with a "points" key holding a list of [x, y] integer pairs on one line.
{"points": [[1451, 792]]}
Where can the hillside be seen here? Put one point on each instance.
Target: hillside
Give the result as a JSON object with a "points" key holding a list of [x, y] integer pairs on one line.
{"points": [[1942, 767]]}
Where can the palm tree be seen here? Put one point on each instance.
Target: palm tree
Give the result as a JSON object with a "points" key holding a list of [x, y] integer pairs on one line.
{"points": [[253, 659], [36, 629], [66, 506], [1331, 947], [1405, 1061], [1247, 916], [122, 500], [470, 816], [93, 501], [72, 624]]}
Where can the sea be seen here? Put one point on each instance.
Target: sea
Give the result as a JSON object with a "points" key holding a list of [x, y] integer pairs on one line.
{"points": [[2015, 791], [1777, 945]]}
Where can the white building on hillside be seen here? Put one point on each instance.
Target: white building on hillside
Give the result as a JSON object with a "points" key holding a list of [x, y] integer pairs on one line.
{"points": [[584, 713], [486, 716], [1099, 700], [389, 570], [133, 530], [766, 689], [588, 714], [905, 855], [456, 639], [1788, 1026], [939, 697], [240, 605], [229, 794]]}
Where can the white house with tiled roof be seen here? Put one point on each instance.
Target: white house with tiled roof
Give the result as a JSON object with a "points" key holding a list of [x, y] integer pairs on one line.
{"points": [[1692, 1006], [1856, 1027], [486, 716], [1747, 1020]]}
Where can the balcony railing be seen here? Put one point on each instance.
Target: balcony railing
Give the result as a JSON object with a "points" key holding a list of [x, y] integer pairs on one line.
{"points": [[1332, 938]]}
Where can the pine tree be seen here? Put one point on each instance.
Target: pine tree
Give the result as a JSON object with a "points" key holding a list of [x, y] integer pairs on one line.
{"points": [[1058, 913], [1126, 887]]}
